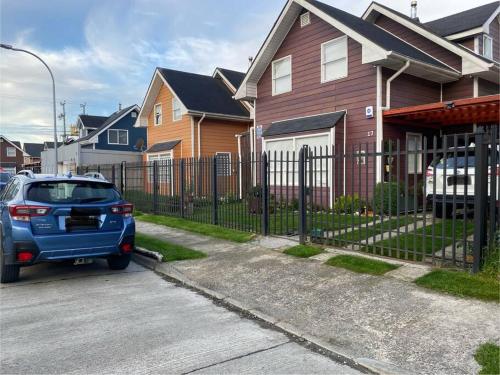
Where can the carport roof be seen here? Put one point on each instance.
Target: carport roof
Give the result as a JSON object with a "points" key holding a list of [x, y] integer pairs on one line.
{"points": [[302, 124]]}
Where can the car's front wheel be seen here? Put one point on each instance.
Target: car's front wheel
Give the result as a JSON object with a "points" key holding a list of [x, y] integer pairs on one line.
{"points": [[119, 262]]}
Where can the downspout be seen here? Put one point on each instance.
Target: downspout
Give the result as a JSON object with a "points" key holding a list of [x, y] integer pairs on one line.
{"points": [[199, 134], [389, 81], [345, 151], [238, 137], [192, 137]]}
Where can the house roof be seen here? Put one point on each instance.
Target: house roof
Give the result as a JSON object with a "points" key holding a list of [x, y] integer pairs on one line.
{"points": [[463, 21], [48, 145], [203, 94], [33, 149], [92, 121], [298, 125], [377, 35], [163, 146], [234, 77], [108, 122], [16, 144]]}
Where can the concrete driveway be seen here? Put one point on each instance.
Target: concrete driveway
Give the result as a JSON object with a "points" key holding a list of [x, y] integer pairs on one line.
{"points": [[87, 319]]}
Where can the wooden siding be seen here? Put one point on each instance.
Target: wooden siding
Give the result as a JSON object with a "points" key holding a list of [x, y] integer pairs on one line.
{"points": [[488, 88], [420, 42], [495, 34], [407, 90], [468, 43], [170, 130], [461, 89], [220, 136], [309, 96]]}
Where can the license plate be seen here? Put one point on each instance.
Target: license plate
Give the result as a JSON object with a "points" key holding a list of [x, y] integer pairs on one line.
{"points": [[81, 223], [81, 261], [459, 180]]}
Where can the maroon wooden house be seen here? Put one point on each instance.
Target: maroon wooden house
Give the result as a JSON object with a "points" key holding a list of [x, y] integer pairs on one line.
{"points": [[325, 77]]}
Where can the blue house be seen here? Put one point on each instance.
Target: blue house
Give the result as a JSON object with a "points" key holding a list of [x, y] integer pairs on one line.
{"points": [[103, 140]]}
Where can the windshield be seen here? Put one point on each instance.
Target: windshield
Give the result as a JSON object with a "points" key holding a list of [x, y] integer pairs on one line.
{"points": [[72, 192], [459, 161], [4, 176]]}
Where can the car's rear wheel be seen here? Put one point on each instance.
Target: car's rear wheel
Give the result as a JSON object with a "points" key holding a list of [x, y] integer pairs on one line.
{"points": [[119, 262]]}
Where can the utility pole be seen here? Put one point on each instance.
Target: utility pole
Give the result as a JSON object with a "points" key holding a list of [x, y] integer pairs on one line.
{"points": [[83, 106], [63, 117]]}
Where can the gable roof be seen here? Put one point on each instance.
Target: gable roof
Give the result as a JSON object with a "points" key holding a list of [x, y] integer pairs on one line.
{"points": [[16, 144], [49, 145], [463, 21], [234, 77], [379, 47], [203, 94], [109, 121], [92, 121], [33, 149]]}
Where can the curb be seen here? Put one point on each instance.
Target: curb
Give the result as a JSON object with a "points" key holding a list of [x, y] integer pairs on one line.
{"points": [[149, 259]]}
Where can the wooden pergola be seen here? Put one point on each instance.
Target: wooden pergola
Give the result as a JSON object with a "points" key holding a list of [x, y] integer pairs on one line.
{"points": [[482, 110]]}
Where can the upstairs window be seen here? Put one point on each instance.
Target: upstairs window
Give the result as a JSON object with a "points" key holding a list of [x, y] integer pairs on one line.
{"points": [[176, 109], [11, 152], [157, 115], [282, 75], [334, 59], [118, 137], [487, 47], [87, 131]]}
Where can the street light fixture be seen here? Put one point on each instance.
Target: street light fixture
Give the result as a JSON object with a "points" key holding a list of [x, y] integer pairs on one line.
{"points": [[9, 47]]}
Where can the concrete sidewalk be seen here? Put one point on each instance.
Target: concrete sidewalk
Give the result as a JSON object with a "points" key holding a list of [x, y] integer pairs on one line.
{"points": [[361, 316]]}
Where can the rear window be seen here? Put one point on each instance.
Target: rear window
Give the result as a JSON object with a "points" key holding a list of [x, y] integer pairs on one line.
{"points": [[4, 177], [73, 192]]}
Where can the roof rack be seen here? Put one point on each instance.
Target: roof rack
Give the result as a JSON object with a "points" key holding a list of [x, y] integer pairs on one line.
{"points": [[27, 173]]}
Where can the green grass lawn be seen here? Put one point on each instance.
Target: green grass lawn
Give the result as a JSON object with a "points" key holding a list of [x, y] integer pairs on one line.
{"points": [[192, 226], [416, 243], [488, 356], [303, 251], [462, 284], [170, 251], [361, 264]]}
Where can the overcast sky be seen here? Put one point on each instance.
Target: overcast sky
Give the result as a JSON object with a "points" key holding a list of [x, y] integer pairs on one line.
{"points": [[103, 52]]}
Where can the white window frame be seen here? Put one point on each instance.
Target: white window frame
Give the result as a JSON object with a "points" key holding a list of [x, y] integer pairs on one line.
{"points": [[161, 157], [89, 130], [324, 63], [8, 150], [174, 109], [411, 165], [490, 43], [155, 122], [118, 137], [230, 172], [274, 78]]}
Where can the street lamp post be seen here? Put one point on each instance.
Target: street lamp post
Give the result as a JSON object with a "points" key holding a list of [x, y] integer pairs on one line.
{"points": [[7, 46]]}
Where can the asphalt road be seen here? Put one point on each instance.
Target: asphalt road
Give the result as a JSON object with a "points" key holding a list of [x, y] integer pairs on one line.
{"points": [[87, 319]]}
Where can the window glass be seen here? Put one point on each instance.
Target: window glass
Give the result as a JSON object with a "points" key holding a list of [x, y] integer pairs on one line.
{"points": [[164, 165], [79, 192], [282, 76], [158, 114], [334, 59], [487, 47], [11, 152], [223, 160], [176, 104], [414, 157], [117, 137]]}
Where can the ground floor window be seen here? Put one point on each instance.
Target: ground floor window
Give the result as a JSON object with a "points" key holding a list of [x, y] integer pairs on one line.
{"points": [[414, 153], [164, 167], [223, 163], [279, 150]]}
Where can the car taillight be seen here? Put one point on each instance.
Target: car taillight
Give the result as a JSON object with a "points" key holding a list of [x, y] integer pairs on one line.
{"points": [[25, 213], [24, 256], [127, 247], [123, 209]]}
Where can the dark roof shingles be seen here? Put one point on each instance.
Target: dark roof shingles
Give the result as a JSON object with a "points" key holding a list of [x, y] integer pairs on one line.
{"points": [[108, 120], [204, 94], [324, 121], [234, 77], [463, 21], [163, 146], [34, 149], [92, 121]]}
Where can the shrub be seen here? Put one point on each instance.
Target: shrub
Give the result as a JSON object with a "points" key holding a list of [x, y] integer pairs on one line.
{"points": [[347, 204], [386, 188]]}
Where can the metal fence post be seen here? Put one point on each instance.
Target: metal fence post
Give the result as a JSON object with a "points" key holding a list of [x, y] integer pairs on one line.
{"points": [[302, 198], [480, 200], [265, 194], [182, 185], [215, 214], [113, 174], [155, 187], [122, 177]]}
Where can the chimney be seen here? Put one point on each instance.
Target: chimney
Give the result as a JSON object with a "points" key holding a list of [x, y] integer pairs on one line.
{"points": [[414, 10], [119, 106], [250, 60]]}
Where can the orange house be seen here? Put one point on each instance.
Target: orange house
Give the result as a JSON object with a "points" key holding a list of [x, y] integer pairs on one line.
{"points": [[192, 116]]}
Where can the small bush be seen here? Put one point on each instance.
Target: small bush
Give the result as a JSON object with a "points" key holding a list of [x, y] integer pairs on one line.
{"points": [[388, 206], [347, 204]]}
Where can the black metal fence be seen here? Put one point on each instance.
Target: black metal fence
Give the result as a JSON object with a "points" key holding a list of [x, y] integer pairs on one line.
{"points": [[430, 199]]}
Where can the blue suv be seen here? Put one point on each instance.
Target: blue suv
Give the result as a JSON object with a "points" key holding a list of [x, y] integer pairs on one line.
{"points": [[52, 218]]}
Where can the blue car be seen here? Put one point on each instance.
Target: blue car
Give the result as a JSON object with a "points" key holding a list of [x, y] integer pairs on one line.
{"points": [[53, 218], [4, 178]]}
